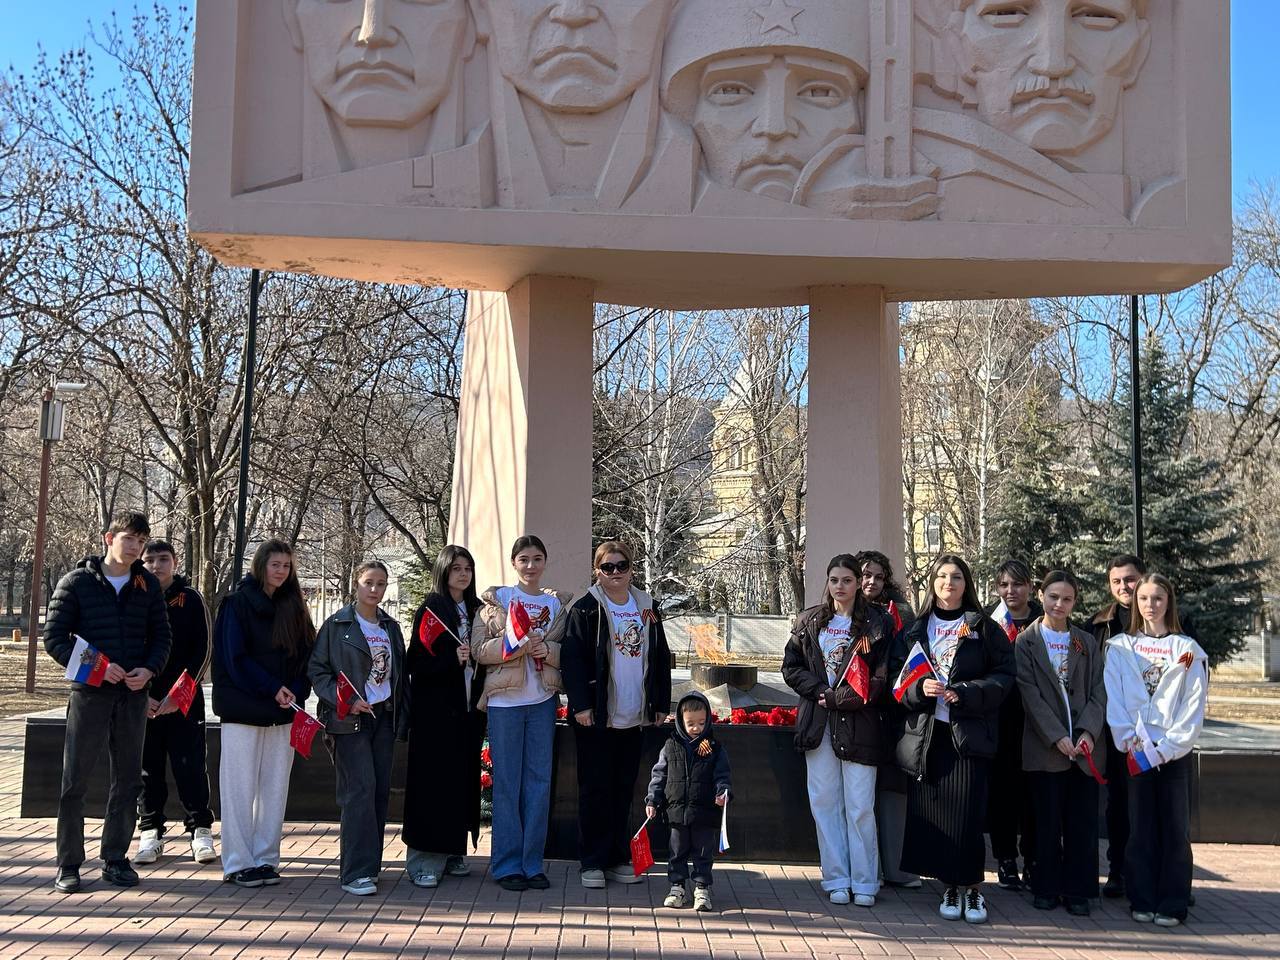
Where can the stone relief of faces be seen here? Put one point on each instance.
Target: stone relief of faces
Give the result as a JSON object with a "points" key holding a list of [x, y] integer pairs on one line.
{"points": [[1050, 72], [761, 117], [575, 56], [379, 62]]}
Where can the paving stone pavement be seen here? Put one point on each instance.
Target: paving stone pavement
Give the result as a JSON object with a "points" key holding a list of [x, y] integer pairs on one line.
{"points": [[763, 912]]}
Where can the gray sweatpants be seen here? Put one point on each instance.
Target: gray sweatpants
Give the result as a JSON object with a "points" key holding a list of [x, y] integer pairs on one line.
{"points": [[110, 719]]}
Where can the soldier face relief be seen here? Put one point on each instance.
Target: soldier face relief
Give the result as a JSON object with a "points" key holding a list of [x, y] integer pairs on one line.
{"points": [[379, 62], [575, 56], [1051, 72], [760, 118]]}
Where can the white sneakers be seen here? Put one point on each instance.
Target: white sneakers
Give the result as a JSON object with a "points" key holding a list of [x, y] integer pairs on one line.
{"points": [[969, 904], [592, 879], [864, 900], [150, 847], [622, 873], [840, 897], [202, 849], [701, 899]]}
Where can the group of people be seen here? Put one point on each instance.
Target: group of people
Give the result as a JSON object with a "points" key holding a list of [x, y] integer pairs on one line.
{"points": [[922, 732], [919, 731]]}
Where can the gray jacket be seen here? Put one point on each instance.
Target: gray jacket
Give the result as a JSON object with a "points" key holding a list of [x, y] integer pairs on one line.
{"points": [[1046, 709], [341, 648]]}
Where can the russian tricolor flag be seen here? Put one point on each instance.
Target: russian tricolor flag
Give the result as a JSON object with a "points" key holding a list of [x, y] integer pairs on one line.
{"points": [[1138, 762], [916, 668], [518, 627], [1004, 618], [86, 665]]}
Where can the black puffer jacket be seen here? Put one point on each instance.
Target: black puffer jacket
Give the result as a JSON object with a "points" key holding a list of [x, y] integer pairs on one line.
{"points": [[854, 724], [982, 674], [248, 669], [131, 627], [690, 773]]}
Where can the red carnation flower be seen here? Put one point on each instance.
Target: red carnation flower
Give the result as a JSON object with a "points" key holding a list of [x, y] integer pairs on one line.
{"points": [[486, 779]]}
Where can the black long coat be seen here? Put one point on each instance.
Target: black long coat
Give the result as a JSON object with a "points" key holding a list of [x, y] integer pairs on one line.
{"points": [[446, 732]]}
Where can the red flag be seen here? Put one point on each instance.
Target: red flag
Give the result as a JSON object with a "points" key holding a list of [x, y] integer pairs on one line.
{"points": [[347, 695], [641, 852], [183, 692], [429, 629], [1093, 769], [897, 617], [304, 730], [858, 677]]}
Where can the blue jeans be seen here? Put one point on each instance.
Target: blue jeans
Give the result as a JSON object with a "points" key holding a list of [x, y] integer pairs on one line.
{"points": [[521, 741]]}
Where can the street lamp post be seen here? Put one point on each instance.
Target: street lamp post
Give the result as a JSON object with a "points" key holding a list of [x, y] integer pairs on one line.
{"points": [[51, 419]]}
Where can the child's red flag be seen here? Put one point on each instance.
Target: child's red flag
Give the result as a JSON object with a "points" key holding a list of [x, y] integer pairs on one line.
{"points": [[183, 692], [347, 696], [305, 728], [641, 852], [858, 677], [429, 630]]}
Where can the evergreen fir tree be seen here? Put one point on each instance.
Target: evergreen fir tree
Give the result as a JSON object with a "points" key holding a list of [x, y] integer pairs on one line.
{"points": [[1041, 516], [1192, 531]]}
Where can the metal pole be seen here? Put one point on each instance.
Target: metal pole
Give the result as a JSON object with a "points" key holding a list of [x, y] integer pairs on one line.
{"points": [[37, 562], [246, 425], [1135, 403]]}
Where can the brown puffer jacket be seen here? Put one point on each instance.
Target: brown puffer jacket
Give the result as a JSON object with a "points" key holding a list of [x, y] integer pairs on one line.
{"points": [[486, 647]]}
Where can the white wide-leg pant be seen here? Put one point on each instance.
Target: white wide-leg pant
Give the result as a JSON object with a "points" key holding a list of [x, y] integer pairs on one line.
{"points": [[253, 779], [842, 797]]}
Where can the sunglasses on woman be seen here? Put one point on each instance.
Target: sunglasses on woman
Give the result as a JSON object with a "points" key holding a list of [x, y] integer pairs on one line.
{"points": [[609, 569]]}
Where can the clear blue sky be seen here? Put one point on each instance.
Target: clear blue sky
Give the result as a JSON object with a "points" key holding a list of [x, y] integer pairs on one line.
{"points": [[61, 24]]}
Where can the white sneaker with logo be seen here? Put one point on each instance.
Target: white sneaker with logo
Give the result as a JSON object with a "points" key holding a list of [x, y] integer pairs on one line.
{"points": [[975, 907], [150, 847], [950, 908], [202, 849]]}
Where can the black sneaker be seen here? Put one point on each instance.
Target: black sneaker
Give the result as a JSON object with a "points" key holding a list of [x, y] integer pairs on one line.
{"points": [[270, 876], [1044, 903], [539, 881], [1113, 889], [1007, 875], [120, 873], [68, 880], [515, 882], [1078, 906], [248, 877]]}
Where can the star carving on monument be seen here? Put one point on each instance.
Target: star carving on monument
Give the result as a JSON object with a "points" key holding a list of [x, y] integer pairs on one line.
{"points": [[778, 15]]}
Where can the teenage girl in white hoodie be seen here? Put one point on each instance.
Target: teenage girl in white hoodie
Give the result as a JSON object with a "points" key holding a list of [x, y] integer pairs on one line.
{"points": [[1157, 680]]}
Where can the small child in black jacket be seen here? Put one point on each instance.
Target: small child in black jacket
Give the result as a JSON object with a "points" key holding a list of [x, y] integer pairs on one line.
{"points": [[691, 783]]}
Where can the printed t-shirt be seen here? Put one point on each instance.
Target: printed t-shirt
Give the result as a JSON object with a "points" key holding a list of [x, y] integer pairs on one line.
{"points": [[542, 609], [944, 641], [1157, 655], [378, 687], [834, 641], [1058, 646], [627, 662]]}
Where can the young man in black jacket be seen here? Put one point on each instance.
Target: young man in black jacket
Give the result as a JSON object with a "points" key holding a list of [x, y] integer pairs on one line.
{"points": [[117, 606], [172, 737]]}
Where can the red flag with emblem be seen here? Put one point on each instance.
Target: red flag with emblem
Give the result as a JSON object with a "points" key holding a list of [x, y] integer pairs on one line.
{"points": [[304, 730], [183, 692], [348, 695], [857, 676], [430, 627], [641, 852]]}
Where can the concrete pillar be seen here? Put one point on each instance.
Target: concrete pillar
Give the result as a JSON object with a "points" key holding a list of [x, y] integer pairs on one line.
{"points": [[523, 462], [853, 497]]}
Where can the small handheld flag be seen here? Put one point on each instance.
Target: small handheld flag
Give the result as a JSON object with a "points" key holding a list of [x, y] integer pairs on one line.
{"points": [[857, 676], [641, 851], [1004, 618], [348, 696], [897, 617], [518, 628], [1138, 763], [86, 664], [916, 668], [303, 732], [430, 627], [183, 693], [724, 825], [1093, 768]]}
